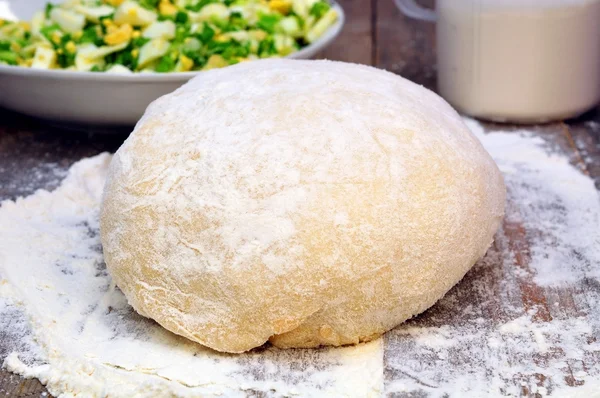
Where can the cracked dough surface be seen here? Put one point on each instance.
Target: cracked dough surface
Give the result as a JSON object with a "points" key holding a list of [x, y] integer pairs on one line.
{"points": [[303, 202]]}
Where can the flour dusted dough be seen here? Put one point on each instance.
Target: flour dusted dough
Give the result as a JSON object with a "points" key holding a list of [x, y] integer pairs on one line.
{"points": [[303, 202]]}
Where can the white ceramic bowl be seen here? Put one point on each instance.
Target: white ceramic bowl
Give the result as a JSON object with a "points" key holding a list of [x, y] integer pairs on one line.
{"points": [[90, 98]]}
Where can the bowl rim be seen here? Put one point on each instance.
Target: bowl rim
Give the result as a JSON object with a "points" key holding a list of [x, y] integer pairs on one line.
{"points": [[61, 74]]}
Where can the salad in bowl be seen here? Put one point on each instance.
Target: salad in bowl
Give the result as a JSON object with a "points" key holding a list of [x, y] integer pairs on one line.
{"points": [[125, 36], [101, 62]]}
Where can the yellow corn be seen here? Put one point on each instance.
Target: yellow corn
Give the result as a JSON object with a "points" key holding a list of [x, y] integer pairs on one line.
{"points": [[15, 47], [121, 35], [70, 47], [77, 35], [282, 6], [25, 25], [166, 8], [221, 38], [27, 62], [132, 12], [136, 34], [114, 3], [215, 61], [56, 37], [135, 52], [1, 22], [60, 51], [186, 63]]}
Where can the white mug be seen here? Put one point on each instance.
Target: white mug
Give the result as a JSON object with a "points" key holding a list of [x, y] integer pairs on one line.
{"points": [[524, 61]]}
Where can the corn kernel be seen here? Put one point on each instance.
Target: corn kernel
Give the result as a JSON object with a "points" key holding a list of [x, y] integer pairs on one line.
{"points": [[111, 29], [132, 12], [166, 8], [56, 37], [107, 22], [114, 3], [25, 25], [186, 63], [136, 34], [60, 51], [70, 47], [215, 61], [28, 62], [121, 35], [15, 47], [175, 55], [135, 52], [77, 35], [282, 6], [1, 22]]}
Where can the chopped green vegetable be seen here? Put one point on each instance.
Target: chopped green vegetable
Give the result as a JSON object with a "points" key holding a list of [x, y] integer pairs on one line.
{"points": [[319, 9], [149, 4], [237, 22], [181, 17], [125, 58], [197, 5], [65, 59], [267, 22], [181, 33], [92, 34], [266, 48], [8, 57], [166, 64], [49, 7], [206, 34], [139, 42]]}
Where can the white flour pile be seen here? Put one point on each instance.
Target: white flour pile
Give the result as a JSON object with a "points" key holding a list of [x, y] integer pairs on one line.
{"points": [[62, 320]]}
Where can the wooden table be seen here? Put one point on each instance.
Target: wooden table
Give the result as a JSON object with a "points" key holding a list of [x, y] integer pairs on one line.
{"points": [[375, 34]]}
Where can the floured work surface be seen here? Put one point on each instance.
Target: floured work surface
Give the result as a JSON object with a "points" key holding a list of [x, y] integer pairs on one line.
{"points": [[524, 321]]}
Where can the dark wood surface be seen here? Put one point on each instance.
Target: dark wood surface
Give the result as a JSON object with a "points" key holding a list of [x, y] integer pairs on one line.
{"points": [[375, 34]]}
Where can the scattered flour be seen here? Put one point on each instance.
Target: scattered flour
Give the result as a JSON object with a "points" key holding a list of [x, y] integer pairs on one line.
{"points": [[48, 173], [557, 204], [476, 359], [63, 321]]}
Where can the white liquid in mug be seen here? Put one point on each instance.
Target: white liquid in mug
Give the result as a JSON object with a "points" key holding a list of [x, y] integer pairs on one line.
{"points": [[519, 60]]}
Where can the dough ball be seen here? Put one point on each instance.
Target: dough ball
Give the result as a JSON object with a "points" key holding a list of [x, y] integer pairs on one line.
{"points": [[303, 202]]}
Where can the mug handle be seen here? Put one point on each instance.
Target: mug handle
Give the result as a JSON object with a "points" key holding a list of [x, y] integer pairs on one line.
{"points": [[413, 10]]}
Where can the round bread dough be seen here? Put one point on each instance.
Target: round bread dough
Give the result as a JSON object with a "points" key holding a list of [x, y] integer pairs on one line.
{"points": [[303, 202]]}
